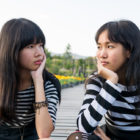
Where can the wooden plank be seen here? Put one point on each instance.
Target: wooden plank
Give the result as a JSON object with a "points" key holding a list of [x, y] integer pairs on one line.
{"points": [[68, 110]]}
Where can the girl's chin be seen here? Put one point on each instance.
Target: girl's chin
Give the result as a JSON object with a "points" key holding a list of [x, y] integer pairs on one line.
{"points": [[109, 68], [34, 68]]}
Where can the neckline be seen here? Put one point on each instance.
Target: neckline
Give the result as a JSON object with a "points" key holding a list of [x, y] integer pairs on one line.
{"points": [[31, 86]]}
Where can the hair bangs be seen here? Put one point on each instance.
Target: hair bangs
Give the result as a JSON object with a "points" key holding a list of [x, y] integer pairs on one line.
{"points": [[31, 34]]}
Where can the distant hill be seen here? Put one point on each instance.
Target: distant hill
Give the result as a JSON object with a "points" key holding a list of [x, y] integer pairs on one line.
{"points": [[75, 56]]}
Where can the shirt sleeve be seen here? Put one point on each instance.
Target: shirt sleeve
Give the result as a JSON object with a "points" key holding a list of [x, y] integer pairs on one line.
{"points": [[98, 100], [52, 98]]}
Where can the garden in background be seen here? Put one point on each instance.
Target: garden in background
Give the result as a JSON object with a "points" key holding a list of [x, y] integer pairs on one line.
{"points": [[68, 68]]}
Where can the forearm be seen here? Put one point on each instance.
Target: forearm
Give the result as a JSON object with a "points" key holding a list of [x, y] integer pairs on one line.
{"points": [[44, 124], [90, 117]]}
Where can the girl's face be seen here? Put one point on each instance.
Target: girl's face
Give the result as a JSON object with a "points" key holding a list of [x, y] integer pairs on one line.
{"points": [[110, 54], [31, 56]]}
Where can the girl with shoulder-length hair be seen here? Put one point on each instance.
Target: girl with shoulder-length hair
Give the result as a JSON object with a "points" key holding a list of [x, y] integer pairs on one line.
{"points": [[29, 94], [114, 90]]}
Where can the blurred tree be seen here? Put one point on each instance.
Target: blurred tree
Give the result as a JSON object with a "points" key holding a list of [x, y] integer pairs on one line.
{"points": [[67, 54], [48, 59], [66, 64], [67, 57]]}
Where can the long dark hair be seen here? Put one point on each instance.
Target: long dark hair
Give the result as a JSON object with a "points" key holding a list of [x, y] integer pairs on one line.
{"points": [[14, 36], [126, 33]]}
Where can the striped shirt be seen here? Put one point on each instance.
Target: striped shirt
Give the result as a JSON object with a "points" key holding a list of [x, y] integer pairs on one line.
{"points": [[116, 102], [24, 105]]}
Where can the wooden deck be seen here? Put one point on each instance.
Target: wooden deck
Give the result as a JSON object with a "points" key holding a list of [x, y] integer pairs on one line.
{"points": [[72, 99], [68, 110]]}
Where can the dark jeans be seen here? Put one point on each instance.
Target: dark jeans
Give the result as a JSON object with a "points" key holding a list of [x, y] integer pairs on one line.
{"points": [[115, 134], [111, 133], [28, 132]]}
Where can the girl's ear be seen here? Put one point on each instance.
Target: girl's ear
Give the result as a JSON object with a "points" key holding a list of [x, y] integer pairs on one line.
{"points": [[128, 53]]}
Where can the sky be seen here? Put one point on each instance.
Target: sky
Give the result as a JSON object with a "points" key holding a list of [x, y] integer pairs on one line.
{"points": [[70, 21]]}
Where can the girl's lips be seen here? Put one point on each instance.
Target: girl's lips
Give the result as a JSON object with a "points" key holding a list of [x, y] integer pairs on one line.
{"points": [[104, 63], [38, 62]]}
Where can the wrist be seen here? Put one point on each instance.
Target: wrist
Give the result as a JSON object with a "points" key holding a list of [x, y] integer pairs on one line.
{"points": [[114, 79], [38, 105], [38, 80]]}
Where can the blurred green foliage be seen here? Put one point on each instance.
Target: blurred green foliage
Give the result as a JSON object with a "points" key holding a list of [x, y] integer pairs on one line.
{"points": [[66, 64]]}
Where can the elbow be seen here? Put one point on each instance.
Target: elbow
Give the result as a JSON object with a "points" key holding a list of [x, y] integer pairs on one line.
{"points": [[45, 133]]}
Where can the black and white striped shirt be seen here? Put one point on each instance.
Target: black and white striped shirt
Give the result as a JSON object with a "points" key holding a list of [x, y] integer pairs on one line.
{"points": [[24, 105], [117, 102]]}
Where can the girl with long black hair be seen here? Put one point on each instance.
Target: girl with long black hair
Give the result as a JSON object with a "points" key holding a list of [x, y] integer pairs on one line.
{"points": [[114, 90], [29, 94]]}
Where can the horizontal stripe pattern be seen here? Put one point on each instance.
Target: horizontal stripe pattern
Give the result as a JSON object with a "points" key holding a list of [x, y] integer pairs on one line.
{"points": [[24, 105], [113, 101]]}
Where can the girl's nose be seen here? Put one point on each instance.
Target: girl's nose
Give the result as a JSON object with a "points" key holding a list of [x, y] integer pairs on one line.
{"points": [[103, 53], [38, 50]]}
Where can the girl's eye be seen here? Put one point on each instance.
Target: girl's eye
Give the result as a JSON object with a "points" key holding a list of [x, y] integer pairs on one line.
{"points": [[30, 46], [110, 46], [41, 46], [98, 47]]}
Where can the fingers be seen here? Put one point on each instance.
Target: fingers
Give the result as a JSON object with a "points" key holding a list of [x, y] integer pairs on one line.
{"points": [[99, 132], [99, 66], [43, 62], [98, 62], [44, 59]]}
